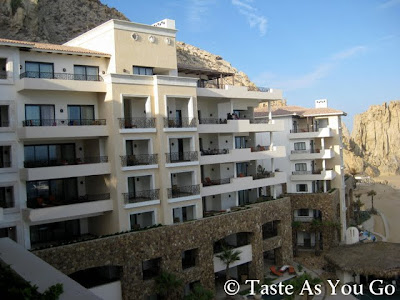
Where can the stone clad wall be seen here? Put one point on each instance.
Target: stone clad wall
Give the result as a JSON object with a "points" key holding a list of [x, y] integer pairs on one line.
{"points": [[130, 249], [327, 203]]}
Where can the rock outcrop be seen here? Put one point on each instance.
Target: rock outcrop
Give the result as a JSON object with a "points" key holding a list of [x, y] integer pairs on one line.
{"points": [[374, 145]]}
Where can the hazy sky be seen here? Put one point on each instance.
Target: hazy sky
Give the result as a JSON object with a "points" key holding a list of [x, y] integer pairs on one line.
{"points": [[342, 50]]}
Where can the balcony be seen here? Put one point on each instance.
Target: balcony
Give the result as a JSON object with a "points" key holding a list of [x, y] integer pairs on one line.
{"points": [[139, 161], [311, 176], [214, 90], [182, 124], [312, 154], [60, 82], [183, 191], [242, 125], [235, 155], [62, 128], [141, 198], [246, 255], [64, 168], [178, 159], [52, 210], [129, 125], [310, 133], [243, 183], [3, 75]]}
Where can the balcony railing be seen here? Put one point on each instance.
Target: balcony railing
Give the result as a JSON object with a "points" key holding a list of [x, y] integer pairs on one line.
{"points": [[65, 162], [141, 196], [183, 191], [263, 175], [302, 172], [5, 164], [137, 123], [180, 123], [175, 157], [214, 85], [310, 128], [63, 76], [214, 152], [3, 74], [138, 160], [63, 122], [5, 123], [212, 121], [259, 148], [208, 182], [42, 202]]}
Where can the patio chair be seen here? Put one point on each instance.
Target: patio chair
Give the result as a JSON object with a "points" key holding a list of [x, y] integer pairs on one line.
{"points": [[274, 271]]}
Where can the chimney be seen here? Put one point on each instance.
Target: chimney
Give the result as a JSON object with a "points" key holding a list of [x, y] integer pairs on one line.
{"points": [[166, 23], [321, 103]]}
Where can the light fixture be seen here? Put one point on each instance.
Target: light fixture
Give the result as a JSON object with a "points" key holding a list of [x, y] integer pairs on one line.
{"points": [[135, 36], [168, 41], [64, 70], [152, 39]]}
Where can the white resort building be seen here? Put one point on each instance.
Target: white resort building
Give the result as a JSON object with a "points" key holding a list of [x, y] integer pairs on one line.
{"points": [[108, 133]]}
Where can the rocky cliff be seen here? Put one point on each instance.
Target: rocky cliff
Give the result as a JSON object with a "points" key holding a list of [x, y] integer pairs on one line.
{"points": [[57, 21], [374, 145]]}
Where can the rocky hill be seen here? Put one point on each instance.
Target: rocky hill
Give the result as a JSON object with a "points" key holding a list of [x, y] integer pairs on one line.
{"points": [[374, 145], [57, 21]]}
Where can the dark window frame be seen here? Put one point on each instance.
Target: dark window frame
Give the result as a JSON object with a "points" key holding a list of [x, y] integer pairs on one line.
{"points": [[86, 75], [41, 63], [40, 105], [141, 68]]}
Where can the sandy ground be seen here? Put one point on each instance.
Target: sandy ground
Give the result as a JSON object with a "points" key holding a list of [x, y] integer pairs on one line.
{"points": [[386, 201]]}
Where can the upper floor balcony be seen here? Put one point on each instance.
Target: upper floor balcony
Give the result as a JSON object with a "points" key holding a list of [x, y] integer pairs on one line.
{"points": [[214, 125], [141, 198], [219, 156], [32, 80], [62, 128], [312, 154], [129, 125], [38, 169], [310, 132], [313, 175], [180, 124], [61, 199], [215, 186]]}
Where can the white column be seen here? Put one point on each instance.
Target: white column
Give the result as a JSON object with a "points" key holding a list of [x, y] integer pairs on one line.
{"points": [[322, 143], [323, 165], [272, 165], [271, 141], [325, 189], [269, 111], [273, 191]]}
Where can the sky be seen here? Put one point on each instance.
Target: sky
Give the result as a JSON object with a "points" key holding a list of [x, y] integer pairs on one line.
{"points": [[345, 51]]}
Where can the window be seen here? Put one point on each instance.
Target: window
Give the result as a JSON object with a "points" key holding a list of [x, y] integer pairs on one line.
{"points": [[89, 73], [3, 68], [4, 120], [6, 197], [51, 232], [39, 115], [189, 258], [51, 192], [303, 212], [301, 188], [142, 70], [80, 114], [49, 155], [5, 156], [9, 232], [300, 167], [300, 146], [240, 142], [183, 214], [39, 70], [151, 268]]}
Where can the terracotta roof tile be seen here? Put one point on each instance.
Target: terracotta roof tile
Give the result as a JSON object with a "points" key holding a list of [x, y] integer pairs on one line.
{"points": [[296, 110], [53, 47]]}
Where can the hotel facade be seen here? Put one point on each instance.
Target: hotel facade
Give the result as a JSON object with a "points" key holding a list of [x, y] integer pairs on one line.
{"points": [[108, 133]]}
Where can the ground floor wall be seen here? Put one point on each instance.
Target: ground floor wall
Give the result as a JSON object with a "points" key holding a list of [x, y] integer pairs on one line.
{"points": [[167, 244], [329, 206]]}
